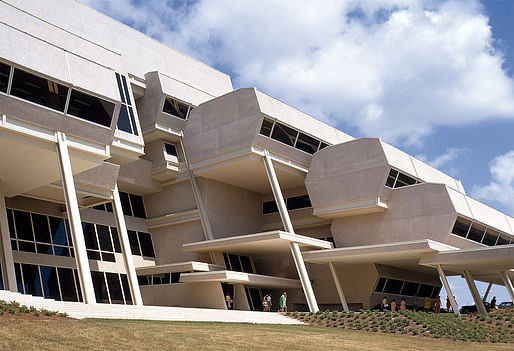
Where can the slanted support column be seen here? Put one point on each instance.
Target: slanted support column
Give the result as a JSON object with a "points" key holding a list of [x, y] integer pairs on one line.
{"points": [[508, 284], [72, 207], [487, 292], [338, 287], [288, 226], [448, 290], [127, 252], [474, 293], [7, 259]]}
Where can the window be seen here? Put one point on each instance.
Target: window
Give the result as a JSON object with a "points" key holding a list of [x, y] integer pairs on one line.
{"points": [[39, 90], [111, 288], [479, 233], [380, 284], [134, 245], [410, 288], [503, 240], [476, 232], [397, 179], [170, 149], [145, 240], [132, 205], [90, 108], [126, 120], [425, 290], [5, 71], [159, 279], [290, 136], [461, 227], [292, 203], [393, 286], [176, 108], [490, 237], [269, 207], [238, 263], [405, 288]]}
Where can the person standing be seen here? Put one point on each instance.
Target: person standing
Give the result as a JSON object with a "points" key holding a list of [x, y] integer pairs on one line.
{"points": [[403, 304], [426, 305], [384, 306], [283, 302], [265, 303], [228, 301], [268, 302], [493, 303], [438, 304], [448, 304], [393, 305]]}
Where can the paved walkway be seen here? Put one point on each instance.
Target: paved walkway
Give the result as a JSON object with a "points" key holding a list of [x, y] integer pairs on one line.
{"points": [[80, 310]]}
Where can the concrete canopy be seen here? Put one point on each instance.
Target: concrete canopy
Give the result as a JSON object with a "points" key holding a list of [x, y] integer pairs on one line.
{"points": [[233, 277], [276, 242]]}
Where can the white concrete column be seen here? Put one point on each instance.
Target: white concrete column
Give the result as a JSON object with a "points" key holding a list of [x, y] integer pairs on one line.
{"points": [[474, 293], [7, 259], [127, 252], [72, 207], [487, 292], [508, 284], [339, 289], [288, 226], [448, 290]]}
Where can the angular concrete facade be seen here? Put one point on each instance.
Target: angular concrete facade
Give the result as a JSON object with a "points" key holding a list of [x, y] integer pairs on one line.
{"points": [[133, 174]]}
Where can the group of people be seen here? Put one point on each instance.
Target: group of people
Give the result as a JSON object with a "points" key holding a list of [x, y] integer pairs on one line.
{"points": [[393, 306], [266, 303]]}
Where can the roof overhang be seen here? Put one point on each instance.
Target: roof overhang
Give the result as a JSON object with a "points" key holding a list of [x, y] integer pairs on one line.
{"points": [[233, 277], [179, 267], [268, 243]]}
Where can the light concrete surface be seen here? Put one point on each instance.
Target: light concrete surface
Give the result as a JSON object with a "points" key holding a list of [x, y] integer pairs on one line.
{"points": [[80, 311]]}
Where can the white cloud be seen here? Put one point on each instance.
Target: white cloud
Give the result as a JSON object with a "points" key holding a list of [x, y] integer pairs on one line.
{"points": [[391, 68], [451, 154], [501, 187]]}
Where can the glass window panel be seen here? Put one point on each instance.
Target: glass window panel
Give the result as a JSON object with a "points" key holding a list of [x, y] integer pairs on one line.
{"points": [[77, 284], [44, 249], [175, 108], [114, 285], [41, 229], [502, 240], [126, 289], [61, 251], [393, 286], [156, 279], [90, 108], [123, 120], [307, 143], [266, 127], [67, 282], [104, 238], [425, 290], [234, 262], [108, 207], [247, 264], [138, 208], [227, 262], [435, 292], [490, 237], [170, 149], [12, 232], [90, 235], [115, 240], [5, 71], [322, 145], [175, 277], [100, 287], [19, 281], [50, 284], [23, 225], [57, 226], [269, 207], [125, 204], [26, 246], [39, 90], [125, 89], [118, 81], [14, 245], [31, 280], [461, 227], [380, 284], [391, 178], [142, 280], [100, 207], [93, 255], [284, 134], [145, 240], [163, 278], [256, 298], [301, 201], [133, 121], [109, 257], [134, 245], [404, 180], [476, 232], [410, 288]]}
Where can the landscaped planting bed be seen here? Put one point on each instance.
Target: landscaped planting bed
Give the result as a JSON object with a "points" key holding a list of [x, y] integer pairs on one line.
{"points": [[498, 327], [14, 310]]}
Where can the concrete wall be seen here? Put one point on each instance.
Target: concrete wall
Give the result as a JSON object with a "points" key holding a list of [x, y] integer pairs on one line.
{"points": [[172, 199], [202, 295]]}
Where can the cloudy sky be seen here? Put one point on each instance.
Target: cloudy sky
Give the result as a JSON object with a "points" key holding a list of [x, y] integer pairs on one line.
{"points": [[434, 78]]}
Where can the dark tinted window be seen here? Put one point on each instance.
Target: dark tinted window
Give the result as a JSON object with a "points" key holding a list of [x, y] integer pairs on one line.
{"points": [[170, 149], [380, 284], [476, 232], [44, 249], [490, 238], [234, 262], [108, 207], [126, 290], [19, 281], [100, 287], [23, 225], [247, 264], [391, 178], [100, 207], [393, 286], [116, 240], [77, 284], [125, 204], [503, 240], [425, 290], [109, 257], [41, 229], [145, 240], [175, 108], [138, 208], [104, 237], [307, 143], [266, 127], [322, 145], [301, 201], [26, 246], [90, 235], [404, 180], [142, 280], [410, 288], [57, 226], [461, 227], [5, 71], [120, 89], [284, 134], [68, 291], [113, 283], [124, 120], [12, 232], [31, 280], [90, 108], [175, 278], [227, 262], [269, 207], [39, 90], [435, 292], [134, 245], [50, 284]]}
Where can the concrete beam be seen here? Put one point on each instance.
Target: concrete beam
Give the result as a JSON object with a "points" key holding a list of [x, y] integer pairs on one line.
{"points": [[508, 284], [448, 290], [339, 289], [7, 259], [474, 293]]}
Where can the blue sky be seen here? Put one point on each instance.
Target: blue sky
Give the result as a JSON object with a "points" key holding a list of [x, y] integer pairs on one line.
{"points": [[434, 78]]}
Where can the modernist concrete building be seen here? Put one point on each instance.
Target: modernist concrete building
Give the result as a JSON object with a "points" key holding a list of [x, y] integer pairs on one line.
{"points": [[133, 174]]}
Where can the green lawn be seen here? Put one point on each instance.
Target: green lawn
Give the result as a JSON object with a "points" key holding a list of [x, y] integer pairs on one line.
{"points": [[67, 334]]}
